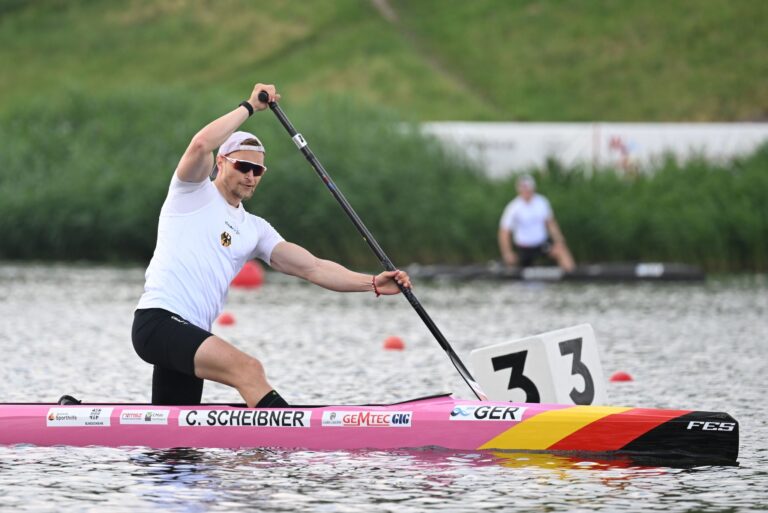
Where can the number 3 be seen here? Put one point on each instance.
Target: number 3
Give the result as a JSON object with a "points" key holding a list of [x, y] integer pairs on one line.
{"points": [[516, 362], [573, 347]]}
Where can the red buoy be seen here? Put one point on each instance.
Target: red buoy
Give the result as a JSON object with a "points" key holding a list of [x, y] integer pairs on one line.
{"points": [[394, 344], [250, 276], [226, 319], [620, 376]]}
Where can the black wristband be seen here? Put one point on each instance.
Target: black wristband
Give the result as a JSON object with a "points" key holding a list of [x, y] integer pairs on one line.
{"points": [[248, 107]]}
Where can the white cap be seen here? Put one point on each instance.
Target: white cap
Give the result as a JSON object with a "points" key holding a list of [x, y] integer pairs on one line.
{"points": [[235, 143], [526, 181]]}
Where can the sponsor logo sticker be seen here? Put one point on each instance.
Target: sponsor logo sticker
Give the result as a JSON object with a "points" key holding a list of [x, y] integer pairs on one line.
{"points": [[78, 417], [367, 418], [144, 417], [700, 425], [248, 418], [493, 413]]}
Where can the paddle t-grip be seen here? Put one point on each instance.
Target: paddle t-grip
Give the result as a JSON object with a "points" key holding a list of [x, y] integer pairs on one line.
{"points": [[263, 97]]}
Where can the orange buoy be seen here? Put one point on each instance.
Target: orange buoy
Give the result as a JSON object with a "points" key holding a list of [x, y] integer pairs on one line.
{"points": [[394, 344], [226, 319], [620, 376], [250, 276]]}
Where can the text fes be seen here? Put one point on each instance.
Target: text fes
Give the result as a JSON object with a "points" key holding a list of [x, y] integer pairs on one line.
{"points": [[711, 426]]}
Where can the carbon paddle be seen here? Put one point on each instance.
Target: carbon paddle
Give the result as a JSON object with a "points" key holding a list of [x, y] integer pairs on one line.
{"points": [[301, 143]]}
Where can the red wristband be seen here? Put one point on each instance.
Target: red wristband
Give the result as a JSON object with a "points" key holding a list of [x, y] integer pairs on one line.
{"points": [[373, 282]]}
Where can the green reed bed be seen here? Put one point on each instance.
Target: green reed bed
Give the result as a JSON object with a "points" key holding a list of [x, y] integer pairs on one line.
{"points": [[84, 176], [699, 212]]}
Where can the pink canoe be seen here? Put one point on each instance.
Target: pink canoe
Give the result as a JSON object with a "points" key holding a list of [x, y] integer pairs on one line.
{"points": [[439, 421]]}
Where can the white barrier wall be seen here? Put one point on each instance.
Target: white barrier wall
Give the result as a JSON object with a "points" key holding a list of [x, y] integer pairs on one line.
{"points": [[504, 148]]}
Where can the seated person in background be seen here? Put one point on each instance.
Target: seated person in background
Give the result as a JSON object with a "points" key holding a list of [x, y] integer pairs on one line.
{"points": [[530, 220]]}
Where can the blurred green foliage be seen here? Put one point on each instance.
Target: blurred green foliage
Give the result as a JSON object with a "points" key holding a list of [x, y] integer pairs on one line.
{"points": [[84, 176]]}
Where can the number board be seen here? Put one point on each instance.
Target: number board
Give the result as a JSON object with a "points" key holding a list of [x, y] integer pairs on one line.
{"points": [[560, 366]]}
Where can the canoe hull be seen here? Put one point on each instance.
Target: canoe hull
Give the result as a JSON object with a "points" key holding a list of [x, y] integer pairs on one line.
{"points": [[440, 421]]}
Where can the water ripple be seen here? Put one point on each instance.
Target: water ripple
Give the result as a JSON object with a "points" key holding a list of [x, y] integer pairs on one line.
{"points": [[66, 329]]}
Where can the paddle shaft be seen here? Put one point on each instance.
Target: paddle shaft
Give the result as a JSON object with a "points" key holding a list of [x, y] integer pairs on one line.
{"points": [[298, 139]]}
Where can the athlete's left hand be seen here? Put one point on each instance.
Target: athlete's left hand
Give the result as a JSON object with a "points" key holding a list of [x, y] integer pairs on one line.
{"points": [[386, 282]]}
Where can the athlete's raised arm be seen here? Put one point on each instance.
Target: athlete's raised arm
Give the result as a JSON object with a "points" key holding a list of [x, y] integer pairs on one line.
{"points": [[196, 163]]}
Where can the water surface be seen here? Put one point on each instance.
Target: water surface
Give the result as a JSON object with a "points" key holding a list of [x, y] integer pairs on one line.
{"points": [[66, 329]]}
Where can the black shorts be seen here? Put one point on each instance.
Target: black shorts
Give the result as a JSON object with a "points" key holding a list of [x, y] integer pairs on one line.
{"points": [[169, 342], [527, 255]]}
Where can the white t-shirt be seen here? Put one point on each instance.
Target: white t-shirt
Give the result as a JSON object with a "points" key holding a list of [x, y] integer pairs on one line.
{"points": [[527, 220], [202, 243]]}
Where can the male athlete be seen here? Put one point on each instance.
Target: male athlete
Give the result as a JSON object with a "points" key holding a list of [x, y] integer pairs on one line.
{"points": [[530, 220], [204, 237]]}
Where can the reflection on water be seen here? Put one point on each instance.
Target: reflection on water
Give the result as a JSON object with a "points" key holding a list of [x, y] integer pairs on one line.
{"points": [[66, 330], [414, 480]]}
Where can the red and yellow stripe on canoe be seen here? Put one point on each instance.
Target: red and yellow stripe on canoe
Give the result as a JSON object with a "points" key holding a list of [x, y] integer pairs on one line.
{"points": [[582, 428]]}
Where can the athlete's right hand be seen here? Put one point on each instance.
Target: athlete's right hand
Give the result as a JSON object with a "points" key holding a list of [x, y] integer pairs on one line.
{"points": [[254, 99]]}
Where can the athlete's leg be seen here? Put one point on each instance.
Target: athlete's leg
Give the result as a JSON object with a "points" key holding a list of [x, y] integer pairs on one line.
{"points": [[562, 256], [184, 355], [173, 387], [525, 256], [218, 360]]}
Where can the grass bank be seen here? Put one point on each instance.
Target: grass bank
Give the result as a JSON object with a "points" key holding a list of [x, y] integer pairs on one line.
{"points": [[84, 177], [434, 60]]}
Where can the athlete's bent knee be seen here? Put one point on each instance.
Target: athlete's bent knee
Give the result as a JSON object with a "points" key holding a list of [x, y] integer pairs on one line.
{"points": [[252, 372]]}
